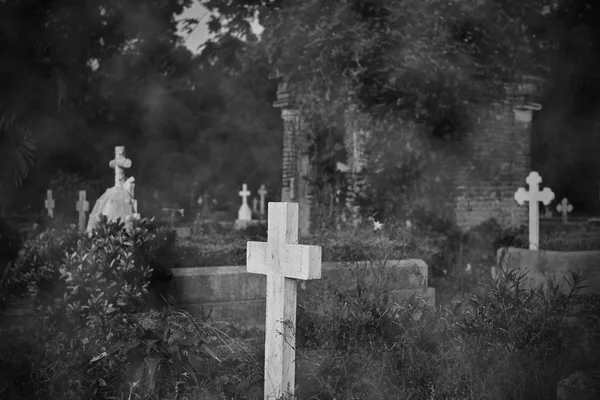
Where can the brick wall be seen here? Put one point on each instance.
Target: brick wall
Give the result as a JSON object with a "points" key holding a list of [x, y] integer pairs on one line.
{"points": [[496, 162]]}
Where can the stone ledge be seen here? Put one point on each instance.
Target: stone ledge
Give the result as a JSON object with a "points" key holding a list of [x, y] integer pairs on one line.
{"points": [[238, 297], [548, 268]]}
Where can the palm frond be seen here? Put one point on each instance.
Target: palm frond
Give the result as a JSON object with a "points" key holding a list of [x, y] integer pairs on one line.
{"points": [[17, 153]]}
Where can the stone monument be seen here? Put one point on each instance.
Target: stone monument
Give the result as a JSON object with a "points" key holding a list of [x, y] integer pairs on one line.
{"points": [[118, 201], [244, 218]]}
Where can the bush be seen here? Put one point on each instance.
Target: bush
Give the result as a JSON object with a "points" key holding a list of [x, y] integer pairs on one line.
{"points": [[40, 271], [36, 271]]}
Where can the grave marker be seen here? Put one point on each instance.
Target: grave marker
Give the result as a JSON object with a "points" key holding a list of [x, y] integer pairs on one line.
{"points": [[284, 262], [244, 213], [49, 203], [82, 207], [119, 163], [255, 205], [262, 192], [171, 211], [533, 196], [565, 208]]}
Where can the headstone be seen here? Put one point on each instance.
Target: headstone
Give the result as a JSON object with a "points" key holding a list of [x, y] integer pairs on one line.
{"points": [[118, 201], [244, 218], [262, 192], [172, 212], [244, 213], [564, 208], [533, 196], [547, 213], [82, 207], [49, 203], [284, 262], [255, 205]]}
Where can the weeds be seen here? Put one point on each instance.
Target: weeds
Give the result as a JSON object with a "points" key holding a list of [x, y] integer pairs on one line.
{"points": [[363, 342]]}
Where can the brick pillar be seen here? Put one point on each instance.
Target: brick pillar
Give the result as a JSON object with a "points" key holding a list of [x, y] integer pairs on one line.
{"points": [[297, 167], [356, 138], [498, 160]]}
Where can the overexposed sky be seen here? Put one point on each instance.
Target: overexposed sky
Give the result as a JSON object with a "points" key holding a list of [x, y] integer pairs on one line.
{"points": [[200, 34]]}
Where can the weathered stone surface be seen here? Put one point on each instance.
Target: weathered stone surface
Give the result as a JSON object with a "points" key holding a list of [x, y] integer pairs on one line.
{"points": [[546, 269], [580, 385], [118, 202], [238, 297], [115, 203]]}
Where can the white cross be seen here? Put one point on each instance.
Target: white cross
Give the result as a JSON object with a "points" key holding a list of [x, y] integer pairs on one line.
{"points": [[262, 192], [533, 197], [244, 194], [244, 213], [284, 262], [82, 207], [49, 203], [565, 208], [119, 163]]}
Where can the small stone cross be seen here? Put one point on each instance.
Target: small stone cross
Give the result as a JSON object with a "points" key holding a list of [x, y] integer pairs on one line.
{"points": [[244, 213], [284, 262], [262, 192], [533, 196], [82, 207], [49, 203], [565, 208], [119, 163]]}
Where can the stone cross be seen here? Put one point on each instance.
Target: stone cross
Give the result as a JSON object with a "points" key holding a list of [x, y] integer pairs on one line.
{"points": [[284, 262], [255, 205], [533, 196], [565, 208], [119, 163], [49, 203], [82, 207], [172, 212], [262, 192], [244, 213]]}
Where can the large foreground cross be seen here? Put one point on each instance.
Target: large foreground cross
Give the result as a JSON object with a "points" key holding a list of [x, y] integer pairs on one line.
{"points": [[284, 262], [533, 197]]}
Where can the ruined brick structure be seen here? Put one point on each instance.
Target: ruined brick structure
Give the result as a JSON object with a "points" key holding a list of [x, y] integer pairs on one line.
{"points": [[486, 176]]}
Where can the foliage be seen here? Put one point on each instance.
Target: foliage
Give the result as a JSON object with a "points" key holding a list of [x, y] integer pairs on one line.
{"points": [[17, 154], [36, 270], [64, 258], [409, 55], [505, 341], [67, 185], [125, 78], [157, 361]]}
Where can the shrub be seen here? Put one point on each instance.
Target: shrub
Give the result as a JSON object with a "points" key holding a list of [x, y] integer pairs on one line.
{"points": [[36, 269], [111, 270]]}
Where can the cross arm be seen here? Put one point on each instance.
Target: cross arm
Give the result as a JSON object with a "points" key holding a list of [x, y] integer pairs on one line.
{"points": [[521, 196], [292, 261], [547, 195]]}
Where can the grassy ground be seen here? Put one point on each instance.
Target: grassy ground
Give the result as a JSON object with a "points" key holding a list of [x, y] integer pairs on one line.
{"points": [[410, 352], [482, 342]]}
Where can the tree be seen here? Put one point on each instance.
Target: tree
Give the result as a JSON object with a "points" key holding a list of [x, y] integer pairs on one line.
{"points": [[55, 57]]}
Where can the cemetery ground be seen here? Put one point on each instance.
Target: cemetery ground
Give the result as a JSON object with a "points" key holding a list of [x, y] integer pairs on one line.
{"points": [[72, 329]]}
